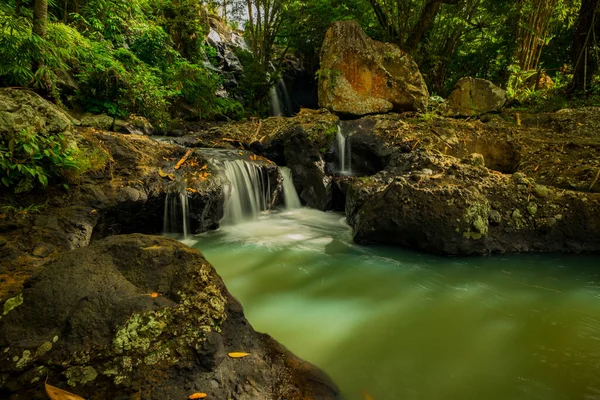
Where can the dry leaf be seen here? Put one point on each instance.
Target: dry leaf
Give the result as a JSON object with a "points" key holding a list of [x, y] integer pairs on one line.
{"points": [[162, 173], [154, 294], [197, 395], [58, 394], [238, 354]]}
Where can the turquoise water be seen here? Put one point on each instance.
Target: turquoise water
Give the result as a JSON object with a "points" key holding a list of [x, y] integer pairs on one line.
{"points": [[394, 324]]}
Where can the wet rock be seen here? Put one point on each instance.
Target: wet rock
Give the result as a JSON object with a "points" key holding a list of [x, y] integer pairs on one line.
{"points": [[360, 76], [147, 316], [472, 96]]}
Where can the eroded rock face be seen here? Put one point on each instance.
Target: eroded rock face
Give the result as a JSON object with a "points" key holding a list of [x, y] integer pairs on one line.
{"points": [[142, 316], [360, 76], [472, 96], [441, 204]]}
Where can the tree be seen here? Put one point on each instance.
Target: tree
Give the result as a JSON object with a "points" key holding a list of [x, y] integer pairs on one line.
{"points": [[264, 20], [403, 24], [584, 57]]}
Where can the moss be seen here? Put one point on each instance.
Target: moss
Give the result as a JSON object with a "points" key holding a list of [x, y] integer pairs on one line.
{"points": [[518, 219], [24, 360], [43, 349], [476, 215], [12, 303], [138, 333], [80, 375]]}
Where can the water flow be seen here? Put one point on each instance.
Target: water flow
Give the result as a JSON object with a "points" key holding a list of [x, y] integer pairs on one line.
{"points": [[249, 191], [275, 103], [392, 324], [176, 214], [281, 104], [290, 195], [344, 153]]}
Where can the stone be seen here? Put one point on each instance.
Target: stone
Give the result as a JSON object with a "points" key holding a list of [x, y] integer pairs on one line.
{"points": [[43, 249], [25, 110], [540, 191], [115, 338], [473, 96], [360, 76], [98, 121]]}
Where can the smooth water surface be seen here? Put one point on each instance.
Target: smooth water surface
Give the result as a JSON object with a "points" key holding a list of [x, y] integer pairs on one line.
{"points": [[393, 324]]}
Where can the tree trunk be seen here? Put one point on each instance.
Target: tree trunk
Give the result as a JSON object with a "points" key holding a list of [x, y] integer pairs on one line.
{"points": [[584, 62], [40, 17], [426, 18]]}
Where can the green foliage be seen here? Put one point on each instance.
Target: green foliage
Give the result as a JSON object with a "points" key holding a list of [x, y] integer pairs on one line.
{"points": [[30, 159]]}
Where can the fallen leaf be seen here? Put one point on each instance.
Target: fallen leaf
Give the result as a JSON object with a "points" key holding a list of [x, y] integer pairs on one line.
{"points": [[58, 394], [238, 354], [366, 395], [154, 294], [536, 168], [197, 395], [162, 173]]}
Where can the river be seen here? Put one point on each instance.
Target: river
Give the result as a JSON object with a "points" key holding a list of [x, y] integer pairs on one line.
{"points": [[388, 323]]}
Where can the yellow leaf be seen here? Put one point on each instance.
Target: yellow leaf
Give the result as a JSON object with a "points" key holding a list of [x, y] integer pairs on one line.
{"points": [[154, 294], [162, 173], [197, 395], [238, 354], [58, 394]]}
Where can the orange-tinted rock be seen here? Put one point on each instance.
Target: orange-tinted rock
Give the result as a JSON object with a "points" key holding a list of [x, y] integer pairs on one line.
{"points": [[361, 76]]}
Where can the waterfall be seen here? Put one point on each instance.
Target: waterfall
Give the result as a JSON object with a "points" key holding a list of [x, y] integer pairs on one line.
{"points": [[289, 191], [344, 153], [249, 191], [176, 214], [275, 103], [281, 104]]}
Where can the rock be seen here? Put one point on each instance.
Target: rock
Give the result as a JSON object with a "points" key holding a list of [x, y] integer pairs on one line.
{"points": [[539, 81], [360, 76], [98, 121], [464, 209], [143, 316], [22, 109], [540, 191], [472, 96], [43, 249]]}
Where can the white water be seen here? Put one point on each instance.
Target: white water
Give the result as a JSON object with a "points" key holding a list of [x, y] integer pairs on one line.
{"points": [[249, 191], [176, 214], [290, 195], [281, 104], [344, 153]]}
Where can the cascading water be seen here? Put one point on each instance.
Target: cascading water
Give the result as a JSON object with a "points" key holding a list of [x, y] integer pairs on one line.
{"points": [[281, 104], [344, 153], [176, 214], [290, 195], [249, 191]]}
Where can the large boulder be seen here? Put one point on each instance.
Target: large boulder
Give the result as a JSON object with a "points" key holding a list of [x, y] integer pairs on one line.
{"points": [[142, 317], [360, 76], [473, 96], [25, 110]]}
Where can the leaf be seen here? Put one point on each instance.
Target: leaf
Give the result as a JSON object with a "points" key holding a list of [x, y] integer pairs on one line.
{"points": [[197, 395], [154, 294], [238, 354], [162, 173], [58, 394]]}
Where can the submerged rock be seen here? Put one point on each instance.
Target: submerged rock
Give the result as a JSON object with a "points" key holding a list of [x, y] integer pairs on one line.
{"points": [[138, 316], [360, 76], [473, 96]]}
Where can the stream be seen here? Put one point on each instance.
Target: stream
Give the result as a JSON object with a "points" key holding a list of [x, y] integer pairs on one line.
{"points": [[389, 323]]}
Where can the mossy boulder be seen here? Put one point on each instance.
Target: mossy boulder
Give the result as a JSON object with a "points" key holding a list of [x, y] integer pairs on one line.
{"points": [[360, 76], [473, 96], [146, 316]]}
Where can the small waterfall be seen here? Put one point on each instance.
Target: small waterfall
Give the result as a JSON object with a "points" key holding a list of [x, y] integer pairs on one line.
{"points": [[176, 214], [344, 153], [289, 191], [275, 103], [281, 104], [249, 191]]}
